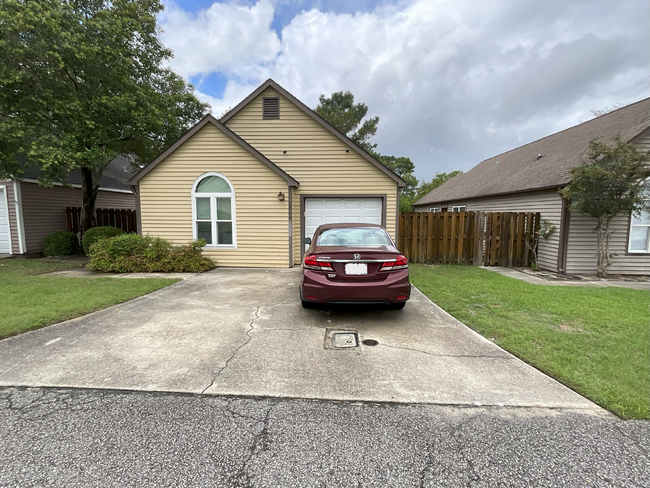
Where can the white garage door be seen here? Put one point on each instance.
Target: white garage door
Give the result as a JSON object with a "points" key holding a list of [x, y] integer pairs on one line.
{"points": [[5, 237], [320, 211]]}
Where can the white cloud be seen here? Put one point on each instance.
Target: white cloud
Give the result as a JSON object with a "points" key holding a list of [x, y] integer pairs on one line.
{"points": [[454, 82], [220, 38]]}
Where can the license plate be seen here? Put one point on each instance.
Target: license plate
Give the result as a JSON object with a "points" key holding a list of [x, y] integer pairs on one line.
{"points": [[356, 269]]}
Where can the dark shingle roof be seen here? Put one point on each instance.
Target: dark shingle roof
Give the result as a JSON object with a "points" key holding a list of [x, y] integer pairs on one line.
{"points": [[115, 176], [519, 169]]}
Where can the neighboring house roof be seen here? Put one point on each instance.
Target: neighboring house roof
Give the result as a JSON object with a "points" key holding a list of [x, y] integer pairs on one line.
{"points": [[519, 170], [209, 119], [270, 83], [115, 176]]}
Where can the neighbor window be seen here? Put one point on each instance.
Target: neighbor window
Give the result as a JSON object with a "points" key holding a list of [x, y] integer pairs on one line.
{"points": [[213, 209], [434, 209], [640, 232], [459, 208]]}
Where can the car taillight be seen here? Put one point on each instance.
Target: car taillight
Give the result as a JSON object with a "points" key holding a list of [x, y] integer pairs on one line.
{"points": [[400, 263], [312, 262]]}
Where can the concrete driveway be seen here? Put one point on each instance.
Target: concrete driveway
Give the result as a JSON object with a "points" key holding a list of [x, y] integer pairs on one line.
{"points": [[243, 332]]}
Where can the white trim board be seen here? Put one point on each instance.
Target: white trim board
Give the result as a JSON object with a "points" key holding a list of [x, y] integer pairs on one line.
{"points": [[101, 188]]}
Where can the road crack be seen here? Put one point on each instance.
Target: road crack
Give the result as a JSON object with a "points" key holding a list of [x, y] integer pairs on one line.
{"points": [[473, 473], [251, 327], [259, 445]]}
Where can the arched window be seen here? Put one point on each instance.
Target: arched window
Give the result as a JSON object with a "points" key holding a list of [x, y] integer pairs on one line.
{"points": [[213, 210]]}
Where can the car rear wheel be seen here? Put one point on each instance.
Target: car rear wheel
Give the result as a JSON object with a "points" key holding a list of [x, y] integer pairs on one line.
{"points": [[306, 304], [397, 306]]}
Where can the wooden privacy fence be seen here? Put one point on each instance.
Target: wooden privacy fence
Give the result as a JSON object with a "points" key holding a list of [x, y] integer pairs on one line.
{"points": [[122, 218], [470, 238]]}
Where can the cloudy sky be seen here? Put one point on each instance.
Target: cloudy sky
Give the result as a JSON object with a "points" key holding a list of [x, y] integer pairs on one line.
{"points": [[453, 82]]}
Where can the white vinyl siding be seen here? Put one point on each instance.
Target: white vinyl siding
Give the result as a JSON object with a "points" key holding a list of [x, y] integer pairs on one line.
{"points": [[11, 210], [583, 245], [547, 202], [316, 158], [5, 229]]}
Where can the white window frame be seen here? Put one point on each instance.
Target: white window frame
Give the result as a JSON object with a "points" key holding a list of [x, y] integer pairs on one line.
{"points": [[434, 209], [459, 208], [629, 237], [213, 210]]}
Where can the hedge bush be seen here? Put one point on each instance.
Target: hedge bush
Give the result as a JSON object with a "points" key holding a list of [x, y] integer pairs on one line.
{"points": [[59, 244], [96, 233], [133, 253]]}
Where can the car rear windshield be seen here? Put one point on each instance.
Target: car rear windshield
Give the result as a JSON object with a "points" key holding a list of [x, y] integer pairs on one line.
{"points": [[353, 236]]}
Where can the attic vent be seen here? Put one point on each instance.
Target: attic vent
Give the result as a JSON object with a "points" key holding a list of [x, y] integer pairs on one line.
{"points": [[271, 108]]}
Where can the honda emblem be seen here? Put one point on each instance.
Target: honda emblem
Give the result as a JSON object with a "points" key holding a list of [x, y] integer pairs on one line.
{"points": [[356, 256]]}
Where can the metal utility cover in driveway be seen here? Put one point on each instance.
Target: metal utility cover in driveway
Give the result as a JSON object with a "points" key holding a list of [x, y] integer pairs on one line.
{"points": [[343, 338]]}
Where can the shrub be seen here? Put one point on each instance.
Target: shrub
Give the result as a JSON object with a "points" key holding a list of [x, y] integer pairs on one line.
{"points": [[59, 244], [133, 253], [96, 233]]}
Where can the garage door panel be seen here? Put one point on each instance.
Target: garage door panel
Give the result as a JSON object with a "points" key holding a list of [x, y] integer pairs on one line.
{"points": [[313, 204], [333, 204], [353, 204]]}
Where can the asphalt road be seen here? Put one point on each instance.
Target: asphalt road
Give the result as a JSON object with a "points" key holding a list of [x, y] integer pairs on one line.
{"points": [[59, 437]]}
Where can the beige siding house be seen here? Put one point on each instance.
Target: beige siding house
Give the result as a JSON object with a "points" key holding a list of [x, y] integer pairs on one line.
{"points": [[29, 212], [529, 178], [258, 181]]}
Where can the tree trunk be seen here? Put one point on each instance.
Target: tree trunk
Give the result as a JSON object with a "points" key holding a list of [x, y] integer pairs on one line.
{"points": [[604, 236], [89, 189]]}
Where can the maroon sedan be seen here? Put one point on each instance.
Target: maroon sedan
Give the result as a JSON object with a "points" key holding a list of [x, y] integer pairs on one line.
{"points": [[354, 263]]}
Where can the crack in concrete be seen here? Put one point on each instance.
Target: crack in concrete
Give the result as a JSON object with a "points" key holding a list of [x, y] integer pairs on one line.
{"points": [[447, 355], [251, 327]]}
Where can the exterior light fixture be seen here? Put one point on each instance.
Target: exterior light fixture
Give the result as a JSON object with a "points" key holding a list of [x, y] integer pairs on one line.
{"points": [[284, 152], [281, 197], [347, 150]]}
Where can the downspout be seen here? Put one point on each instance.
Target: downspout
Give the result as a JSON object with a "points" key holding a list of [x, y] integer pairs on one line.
{"points": [[397, 220], [136, 192], [290, 227], [565, 218], [20, 221]]}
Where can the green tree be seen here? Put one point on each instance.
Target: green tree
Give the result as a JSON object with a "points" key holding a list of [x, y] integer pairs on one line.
{"points": [[402, 167], [346, 116], [83, 81], [611, 181], [407, 201]]}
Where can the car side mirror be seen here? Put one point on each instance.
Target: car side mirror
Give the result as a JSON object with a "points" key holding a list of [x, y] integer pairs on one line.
{"points": [[307, 240]]}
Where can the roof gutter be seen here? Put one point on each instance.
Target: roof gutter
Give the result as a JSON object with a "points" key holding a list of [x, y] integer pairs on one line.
{"points": [[488, 195]]}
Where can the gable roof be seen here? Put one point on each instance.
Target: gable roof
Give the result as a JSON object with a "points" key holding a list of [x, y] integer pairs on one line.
{"points": [[519, 170], [272, 84], [210, 119], [115, 176]]}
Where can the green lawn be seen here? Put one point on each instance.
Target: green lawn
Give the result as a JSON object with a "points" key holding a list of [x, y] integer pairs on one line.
{"points": [[28, 301], [594, 340]]}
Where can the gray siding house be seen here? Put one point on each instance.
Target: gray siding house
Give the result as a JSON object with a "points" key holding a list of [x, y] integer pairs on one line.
{"points": [[528, 179], [29, 212]]}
